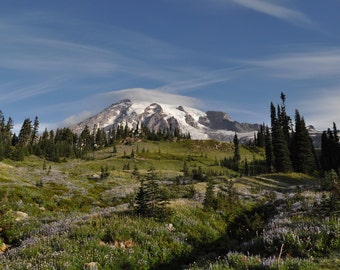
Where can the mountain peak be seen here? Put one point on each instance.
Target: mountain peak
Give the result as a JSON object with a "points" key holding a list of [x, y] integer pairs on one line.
{"points": [[123, 101], [158, 116]]}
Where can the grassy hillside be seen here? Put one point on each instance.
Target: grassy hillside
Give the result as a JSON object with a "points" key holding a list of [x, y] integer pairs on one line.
{"points": [[66, 216]]}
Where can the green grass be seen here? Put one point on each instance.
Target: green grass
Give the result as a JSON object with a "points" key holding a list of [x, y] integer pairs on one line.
{"points": [[75, 218]]}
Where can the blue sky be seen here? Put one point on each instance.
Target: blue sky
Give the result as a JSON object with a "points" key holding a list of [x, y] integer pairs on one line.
{"points": [[66, 60]]}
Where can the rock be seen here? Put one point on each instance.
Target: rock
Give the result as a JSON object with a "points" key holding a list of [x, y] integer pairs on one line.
{"points": [[170, 227], [20, 216], [124, 244], [3, 248], [91, 266]]}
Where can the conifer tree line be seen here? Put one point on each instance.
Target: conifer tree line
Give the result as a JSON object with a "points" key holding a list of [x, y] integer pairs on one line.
{"points": [[288, 146], [330, 150], [63, 143]]}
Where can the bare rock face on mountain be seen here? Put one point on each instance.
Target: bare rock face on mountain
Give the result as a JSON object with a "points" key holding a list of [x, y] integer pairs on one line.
{"points": [[156, 119], [188, 118], [157, 116], [220, 120]]}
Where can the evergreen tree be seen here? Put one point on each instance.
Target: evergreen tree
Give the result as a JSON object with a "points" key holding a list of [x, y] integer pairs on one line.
{"points": [[302, 154], [237, 156], [45, 144], [104, 172], [209, 200], [2, 140], [269, 151], [135, 171], [282, 160], [197, 174], [273, 118], [5, 136], [35, 130], [18, 153], [150, 202], [284, 119], [260, 138], [15, 140], [100, 138], [85, 142], [24, 139], [330, 150], [126, 132], [280, 134], [25, 133], [246, 167], [141, 202], [154, 198], [119, 132], [112, 136], [335, 133], [185, 169], [132, 155]]}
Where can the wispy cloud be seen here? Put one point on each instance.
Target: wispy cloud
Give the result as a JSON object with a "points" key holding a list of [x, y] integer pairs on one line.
{"points": [[150, 95], [76, 118], [203, 78], [277, 11], [12, 92], [321, 107], [312, 64], [29, 52], [37, 54]]}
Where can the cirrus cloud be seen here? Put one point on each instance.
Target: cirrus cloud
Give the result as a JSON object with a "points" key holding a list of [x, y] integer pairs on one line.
{"points": [[277, 11]]}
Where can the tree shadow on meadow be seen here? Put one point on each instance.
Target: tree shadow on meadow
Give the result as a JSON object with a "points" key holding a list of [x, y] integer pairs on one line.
{"points": [[243, 228]]}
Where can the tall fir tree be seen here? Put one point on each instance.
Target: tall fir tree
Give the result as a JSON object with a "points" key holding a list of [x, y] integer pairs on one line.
{"points": [[284, 119], [209, 202], [260, 138], [269, 151], [35, 129], [302, 152], [281, 152], [141, 201], [237, 156], [330, 150], [273, 118], [280, 129], [5, 136], [100, 138], [150, 201], [85, 142], [25, 133]]}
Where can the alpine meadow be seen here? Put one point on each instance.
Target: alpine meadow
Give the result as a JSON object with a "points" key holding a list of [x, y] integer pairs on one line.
{"points": [[145, 193]]}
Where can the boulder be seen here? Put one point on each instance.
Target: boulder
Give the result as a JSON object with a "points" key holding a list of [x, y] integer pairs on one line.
{"points": [[91, 266], [3, 248], [170, 227], [18, 216]]}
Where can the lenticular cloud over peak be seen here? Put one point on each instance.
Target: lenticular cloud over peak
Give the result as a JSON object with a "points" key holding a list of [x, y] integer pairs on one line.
{"points": [[150, 95]]}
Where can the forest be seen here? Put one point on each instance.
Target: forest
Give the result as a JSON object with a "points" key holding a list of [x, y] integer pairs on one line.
{"points": [[141, 199]]}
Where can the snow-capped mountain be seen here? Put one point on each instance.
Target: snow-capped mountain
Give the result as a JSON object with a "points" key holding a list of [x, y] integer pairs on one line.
{"points": [[200, 125]]}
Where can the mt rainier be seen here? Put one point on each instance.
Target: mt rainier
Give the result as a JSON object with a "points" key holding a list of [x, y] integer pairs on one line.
{"points": [[210, 125]]}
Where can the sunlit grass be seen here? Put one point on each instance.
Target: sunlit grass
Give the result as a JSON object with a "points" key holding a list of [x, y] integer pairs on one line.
{"points": [[76, 217]]}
